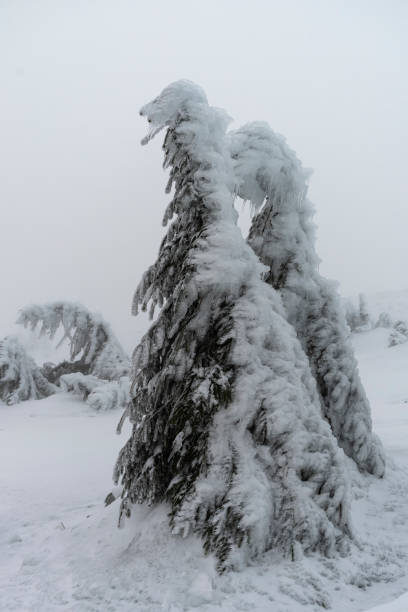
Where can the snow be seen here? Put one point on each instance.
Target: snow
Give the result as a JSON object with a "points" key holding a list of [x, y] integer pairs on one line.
{"points": [[61, 548], [398, 605]]}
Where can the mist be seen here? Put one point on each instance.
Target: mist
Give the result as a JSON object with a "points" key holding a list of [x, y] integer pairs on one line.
{"points": [[82, 201]]}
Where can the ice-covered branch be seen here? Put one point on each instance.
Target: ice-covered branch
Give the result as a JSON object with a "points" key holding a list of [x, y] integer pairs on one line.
{"points": [[94, 349]]}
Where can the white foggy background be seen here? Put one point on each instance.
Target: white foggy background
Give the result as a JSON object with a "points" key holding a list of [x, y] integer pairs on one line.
{"points": [[81, 201]]}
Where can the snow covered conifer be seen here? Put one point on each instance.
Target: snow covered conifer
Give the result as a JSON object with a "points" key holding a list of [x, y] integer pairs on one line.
{"points": [[384, 320], [399, 333], [226, 420], [352, 316], [20, 377], [358, 318], [282, 234], [94, 349], [364, 315]]}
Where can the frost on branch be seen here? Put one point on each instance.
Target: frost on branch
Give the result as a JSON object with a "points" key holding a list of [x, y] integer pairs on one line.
{"points": [[94, 349], [101, 395], [20, 378], [282, 234], [226, 419]]}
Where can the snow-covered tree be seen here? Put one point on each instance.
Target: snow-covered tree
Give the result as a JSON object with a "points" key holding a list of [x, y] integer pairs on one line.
{"points": [[20, 378], [384, 320], [399, 333], [94, 349], [227, 427], [352, 316], [364, 315], [271, 177], [358, 318]]}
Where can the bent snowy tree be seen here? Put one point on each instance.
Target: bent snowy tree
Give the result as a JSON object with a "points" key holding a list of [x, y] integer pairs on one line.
{"points": [[226, 420], [94, 349], [282, 235], [20, 377]]}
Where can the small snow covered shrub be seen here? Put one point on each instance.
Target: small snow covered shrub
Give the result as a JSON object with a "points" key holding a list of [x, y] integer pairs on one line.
{"points": [[79, 384], [384, 320], [110, 395], [94, 349], [227, 425], [99, 394], [270, 176], [20, 377], [399, 333]]}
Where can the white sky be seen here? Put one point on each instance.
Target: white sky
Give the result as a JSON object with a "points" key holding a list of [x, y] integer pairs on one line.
{"points": [[81, 201]]}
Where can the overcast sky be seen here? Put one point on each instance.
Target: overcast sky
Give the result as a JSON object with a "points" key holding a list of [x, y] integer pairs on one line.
{"points": [[81, 200]]}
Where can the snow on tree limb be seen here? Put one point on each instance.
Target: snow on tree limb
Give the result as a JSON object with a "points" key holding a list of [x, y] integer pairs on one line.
{"points": [[164, 110]]}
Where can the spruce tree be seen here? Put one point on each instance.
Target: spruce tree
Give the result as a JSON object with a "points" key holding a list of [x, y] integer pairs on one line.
{"points": [[365, 320], [282, 235], [227, 428]]}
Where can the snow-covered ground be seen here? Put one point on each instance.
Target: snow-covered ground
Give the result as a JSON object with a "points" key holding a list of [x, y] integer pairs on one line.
{"points": [[61, 548]]}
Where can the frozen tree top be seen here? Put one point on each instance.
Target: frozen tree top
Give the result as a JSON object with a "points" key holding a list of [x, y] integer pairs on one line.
{"points": [[164, 110]]}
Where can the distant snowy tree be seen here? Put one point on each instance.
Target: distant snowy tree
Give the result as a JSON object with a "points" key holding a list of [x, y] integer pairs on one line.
{"points": [[399, 333], [94, 349], [226, 420], [352, 316], [20, 378], [384, 320], [358, 318], [282, 234], [365, 320]]}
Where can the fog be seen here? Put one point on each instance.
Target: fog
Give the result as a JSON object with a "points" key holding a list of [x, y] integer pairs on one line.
{"points": [[81, 200]]}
